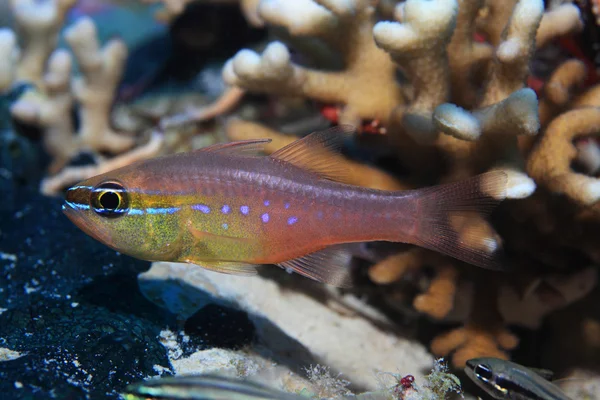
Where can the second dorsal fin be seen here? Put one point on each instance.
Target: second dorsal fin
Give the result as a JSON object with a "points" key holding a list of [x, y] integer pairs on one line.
{"points": [[319, 152], [252, 147]]}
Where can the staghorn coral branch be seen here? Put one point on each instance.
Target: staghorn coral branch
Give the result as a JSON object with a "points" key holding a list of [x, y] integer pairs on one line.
{"points": [[516, 113], [566, 80], [38, 25], [273, 72], [395, 266], [511, 65], [230, 98], [94, 90], [550, 162], [9, 56], [300, 17], [417, 42], [365, 87], [494, 19], [466, 56], [562, 20], [52, 110], [482, 335], [438, 300]]}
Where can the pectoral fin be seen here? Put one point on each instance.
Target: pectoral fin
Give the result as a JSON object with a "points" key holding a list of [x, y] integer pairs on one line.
{"points": [[203, 254]]}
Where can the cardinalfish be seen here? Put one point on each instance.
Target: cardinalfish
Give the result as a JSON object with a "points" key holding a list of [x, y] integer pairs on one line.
{"points": [[506, 380], [228, 208], [204, 387]]}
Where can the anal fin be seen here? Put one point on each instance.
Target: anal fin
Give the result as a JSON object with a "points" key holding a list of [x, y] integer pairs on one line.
{"points": [[226, 267], [330, 265]]}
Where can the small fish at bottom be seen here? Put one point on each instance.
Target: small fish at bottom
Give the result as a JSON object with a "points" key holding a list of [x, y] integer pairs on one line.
{"points": [[204, 387], [506, 380], [227, 208]]}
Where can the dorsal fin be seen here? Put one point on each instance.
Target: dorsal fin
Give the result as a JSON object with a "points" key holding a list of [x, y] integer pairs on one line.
{"points": [[318, 152], [251, 147], [544, 373]]}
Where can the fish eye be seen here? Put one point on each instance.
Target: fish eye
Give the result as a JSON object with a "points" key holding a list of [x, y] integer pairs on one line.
{"points": [[483, 371], [109, 199]]}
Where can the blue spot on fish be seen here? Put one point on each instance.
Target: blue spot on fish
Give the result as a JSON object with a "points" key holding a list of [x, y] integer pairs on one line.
{"points": [[265, 217], [320, 214], [245, 210], [286, 205], [201, 207], [267, 202], [225, 226], [292, 220], [166, 210], [225, 209]]}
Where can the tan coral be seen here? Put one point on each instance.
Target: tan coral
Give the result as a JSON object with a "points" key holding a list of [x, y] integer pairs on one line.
{"points": [[507, 109], [51, 104], [38, 25], [483, 333], [562, 20], [395, 266], [438, 300], [467, 57], [550, 160], [494, 17], [365, 87], [95, 88], [566, 80], [473, 341], [417, 42], [9, 56], [52, 110]]}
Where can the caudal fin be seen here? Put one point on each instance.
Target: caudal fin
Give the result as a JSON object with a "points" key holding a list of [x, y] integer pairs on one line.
{"points": [[451, 219]]}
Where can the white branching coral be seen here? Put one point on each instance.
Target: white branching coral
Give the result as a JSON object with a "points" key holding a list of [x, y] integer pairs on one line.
{"points": [[94, 91], [365, 87], [418, 42], [56, 93], [38, 24]]}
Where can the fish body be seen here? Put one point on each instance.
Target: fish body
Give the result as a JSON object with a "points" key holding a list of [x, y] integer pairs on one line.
{"points": [[226, 209], [506, 380], [204, 387]]}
